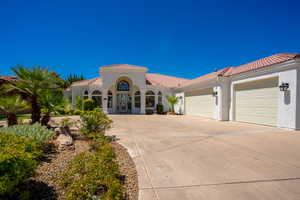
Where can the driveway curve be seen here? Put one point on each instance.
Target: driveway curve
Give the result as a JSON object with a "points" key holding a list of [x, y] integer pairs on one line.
{"points": [[184, 157]]}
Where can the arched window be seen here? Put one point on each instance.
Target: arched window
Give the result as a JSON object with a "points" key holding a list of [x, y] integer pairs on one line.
{"points": [[159, 98], [150, 99], [110, 99], [86, 94], [97, 97], [137, 99], [123, 86]]}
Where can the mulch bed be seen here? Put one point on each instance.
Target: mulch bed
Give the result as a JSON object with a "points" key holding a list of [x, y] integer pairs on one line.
{"points": [[44, 185]]}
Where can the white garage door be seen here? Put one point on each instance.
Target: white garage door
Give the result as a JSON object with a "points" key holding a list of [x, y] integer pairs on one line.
{"points": [[200, 103], [257, 102]]}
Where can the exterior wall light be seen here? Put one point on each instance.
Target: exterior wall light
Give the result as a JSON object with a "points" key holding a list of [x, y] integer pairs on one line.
{"points": [[215, 93], [284, 86]]}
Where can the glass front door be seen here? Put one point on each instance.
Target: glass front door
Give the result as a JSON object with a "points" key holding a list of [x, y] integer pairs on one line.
{"points": [[123, 103]]}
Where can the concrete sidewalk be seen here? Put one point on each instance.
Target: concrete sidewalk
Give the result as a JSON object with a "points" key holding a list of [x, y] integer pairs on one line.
{"points": [[183, 157]]}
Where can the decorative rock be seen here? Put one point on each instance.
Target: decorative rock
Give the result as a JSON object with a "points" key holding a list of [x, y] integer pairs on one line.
{"points": [[64, 141]]}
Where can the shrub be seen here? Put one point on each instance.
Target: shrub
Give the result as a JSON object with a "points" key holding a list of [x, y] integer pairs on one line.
{"points": [[35, 131], [94, 122], [17, 161], [79, 102], [89, 104], [149, 111], [93, 176], [160, 109], [77, 112]]}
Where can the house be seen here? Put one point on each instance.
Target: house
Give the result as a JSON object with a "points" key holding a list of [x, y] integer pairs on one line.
{"points": [[266, 91]]}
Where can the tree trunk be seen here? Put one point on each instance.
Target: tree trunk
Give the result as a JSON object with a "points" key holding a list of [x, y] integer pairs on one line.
{"points": [[11, 119], [45, 119], [35, 111]]}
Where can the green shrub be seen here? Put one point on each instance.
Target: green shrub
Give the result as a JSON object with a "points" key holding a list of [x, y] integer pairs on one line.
{"points": [[160, 109], [149, 112], [79, 102], [35, 131], [93, 175], [17, 161], [77, 112], [89, 104], [94, 122]]}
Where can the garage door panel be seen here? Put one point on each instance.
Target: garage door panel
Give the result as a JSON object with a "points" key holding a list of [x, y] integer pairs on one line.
{"points": [[257, 102], [199, 103]]}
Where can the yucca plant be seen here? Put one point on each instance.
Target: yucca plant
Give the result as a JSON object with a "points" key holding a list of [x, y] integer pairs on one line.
{"points": [[11, 105]]}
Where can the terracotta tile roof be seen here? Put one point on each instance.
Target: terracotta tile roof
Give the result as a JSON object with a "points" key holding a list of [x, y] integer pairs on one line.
{"points": [[8, 78], [124, 66], [264, 62], [87, 82], [206, 77], [163, 80]]}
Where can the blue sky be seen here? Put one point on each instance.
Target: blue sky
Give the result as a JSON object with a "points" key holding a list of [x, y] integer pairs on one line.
{"points": [[181, 38]]}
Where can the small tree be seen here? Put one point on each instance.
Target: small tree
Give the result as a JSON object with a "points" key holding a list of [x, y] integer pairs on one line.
{"points": [[172, 101], [11, 105], [51, 102]]}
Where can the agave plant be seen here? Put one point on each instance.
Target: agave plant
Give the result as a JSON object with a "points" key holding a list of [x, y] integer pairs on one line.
{"points": [[11, 105]]}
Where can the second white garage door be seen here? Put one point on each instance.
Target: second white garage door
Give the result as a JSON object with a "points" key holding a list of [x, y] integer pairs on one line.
{"points": [[257, 102], [200, 103]]}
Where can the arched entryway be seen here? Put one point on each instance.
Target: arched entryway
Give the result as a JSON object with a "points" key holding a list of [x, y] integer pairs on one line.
{"points": [[123, 93]]}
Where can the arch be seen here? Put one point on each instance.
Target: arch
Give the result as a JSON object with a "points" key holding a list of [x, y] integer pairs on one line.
{"points": [[97, 97], [123, 86], [86, 94], [96, 92], [150, 99], [150, 92]]}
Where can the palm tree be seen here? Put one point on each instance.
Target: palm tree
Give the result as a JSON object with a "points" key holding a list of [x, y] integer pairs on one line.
{"points": [[32, 83], [51, 101], [172, 101], [11, 105]]}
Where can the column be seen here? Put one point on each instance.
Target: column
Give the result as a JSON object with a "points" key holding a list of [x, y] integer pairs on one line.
{"points": [[132, 103], [104, 101], [114, 102], [143, 102]]}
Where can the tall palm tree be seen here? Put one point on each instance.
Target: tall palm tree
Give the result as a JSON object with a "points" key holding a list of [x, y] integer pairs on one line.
{"points": [[172, 101], [11, 105], [32, 83]]}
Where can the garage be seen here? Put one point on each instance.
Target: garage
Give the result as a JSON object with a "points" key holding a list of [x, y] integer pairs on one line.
{"points": [[257, 102], [200, 103]]}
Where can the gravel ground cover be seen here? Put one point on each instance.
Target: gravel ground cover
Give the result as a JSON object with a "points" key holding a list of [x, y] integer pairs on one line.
{"points": [[44, 185]]}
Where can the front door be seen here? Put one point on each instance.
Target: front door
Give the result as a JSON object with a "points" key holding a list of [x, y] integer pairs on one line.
{"points": [[123, 103]]}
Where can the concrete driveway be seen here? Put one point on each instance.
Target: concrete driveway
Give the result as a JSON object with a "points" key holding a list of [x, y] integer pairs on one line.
{"points": [[184, 157]]}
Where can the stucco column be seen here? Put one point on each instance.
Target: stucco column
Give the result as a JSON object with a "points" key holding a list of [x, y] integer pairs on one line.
{"points": [[143, 102], [104, 100], [132, 102], [156, 100], [114, 102]]}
